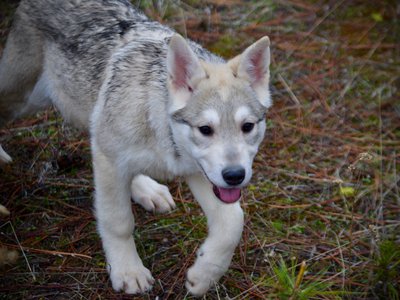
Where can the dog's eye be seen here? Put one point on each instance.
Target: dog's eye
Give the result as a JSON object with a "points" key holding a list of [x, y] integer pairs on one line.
{"points": [[206, 130], [247, 127]]}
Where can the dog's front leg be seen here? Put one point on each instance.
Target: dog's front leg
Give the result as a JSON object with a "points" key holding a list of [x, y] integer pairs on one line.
{"points": [[115, 224], [225, 226]]}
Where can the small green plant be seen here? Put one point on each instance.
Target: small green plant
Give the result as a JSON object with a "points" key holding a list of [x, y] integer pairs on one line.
{"points": [[289, 283]]}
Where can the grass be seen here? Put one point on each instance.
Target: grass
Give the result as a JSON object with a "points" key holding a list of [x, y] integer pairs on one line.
{"points": [[325, 188]]}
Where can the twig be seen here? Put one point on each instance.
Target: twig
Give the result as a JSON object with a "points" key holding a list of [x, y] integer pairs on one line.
{"points": [[42, 251], [22, 250], [298, 176], [289, 90], [35, 126]]}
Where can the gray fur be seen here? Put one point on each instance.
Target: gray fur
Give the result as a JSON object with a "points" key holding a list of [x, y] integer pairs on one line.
{"points": [[79, 38]]}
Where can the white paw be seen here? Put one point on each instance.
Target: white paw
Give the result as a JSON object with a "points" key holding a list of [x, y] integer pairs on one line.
{"points": [[131, 280], [201, 276], [4, 211], [151, 195], [4, 157]]}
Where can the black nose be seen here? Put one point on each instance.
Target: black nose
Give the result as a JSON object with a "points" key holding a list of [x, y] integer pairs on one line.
{"points": [[233, 175]]}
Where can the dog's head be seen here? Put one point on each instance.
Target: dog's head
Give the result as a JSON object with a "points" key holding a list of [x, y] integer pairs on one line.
{"points": [[218, 111]]}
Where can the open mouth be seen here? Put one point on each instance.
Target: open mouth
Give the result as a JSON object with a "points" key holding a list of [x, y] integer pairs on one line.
{"points": [[227, 195]]}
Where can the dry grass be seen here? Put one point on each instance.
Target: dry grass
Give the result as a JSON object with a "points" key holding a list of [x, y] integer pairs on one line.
{"points": [[326, 183]]}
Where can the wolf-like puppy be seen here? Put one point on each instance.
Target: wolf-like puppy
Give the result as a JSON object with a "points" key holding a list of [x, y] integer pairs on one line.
{"points": [[157, 106]]}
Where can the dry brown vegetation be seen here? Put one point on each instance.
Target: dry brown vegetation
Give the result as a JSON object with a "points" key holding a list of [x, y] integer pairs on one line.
{"points": [[325, 190]]}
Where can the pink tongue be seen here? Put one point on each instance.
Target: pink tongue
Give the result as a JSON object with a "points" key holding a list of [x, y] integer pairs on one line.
{"points": [[228, 195]]}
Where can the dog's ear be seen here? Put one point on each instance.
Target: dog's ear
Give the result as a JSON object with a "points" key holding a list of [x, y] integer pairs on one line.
{"points": [[253, 66], [184, 71]]}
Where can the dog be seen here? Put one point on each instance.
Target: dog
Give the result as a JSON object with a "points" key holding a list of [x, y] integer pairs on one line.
{"points": [[156, 105]]}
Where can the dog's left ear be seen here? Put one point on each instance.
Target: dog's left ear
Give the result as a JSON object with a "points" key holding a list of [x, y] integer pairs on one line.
{"points": [[184, 71], [253, 66]]}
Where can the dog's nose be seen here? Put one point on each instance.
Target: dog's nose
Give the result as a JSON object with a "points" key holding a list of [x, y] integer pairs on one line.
{"points": [[233, 175]]}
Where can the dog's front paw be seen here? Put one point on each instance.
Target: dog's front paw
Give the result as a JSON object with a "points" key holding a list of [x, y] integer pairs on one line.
{"points": [[133, 280], [151, 195], [201, 276], [197, 283]]}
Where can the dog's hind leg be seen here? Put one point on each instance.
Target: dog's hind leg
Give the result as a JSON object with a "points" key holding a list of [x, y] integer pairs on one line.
{"points": [[151, 195], [225, 225], [20, 69], [37, 99]]}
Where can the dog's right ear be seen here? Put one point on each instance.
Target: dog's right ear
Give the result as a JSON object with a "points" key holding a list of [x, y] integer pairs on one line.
{"points": [[253, 65], [184, 71]]}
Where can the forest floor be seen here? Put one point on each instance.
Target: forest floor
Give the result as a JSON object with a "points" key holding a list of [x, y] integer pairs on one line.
{"points": [[325, 195]]}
